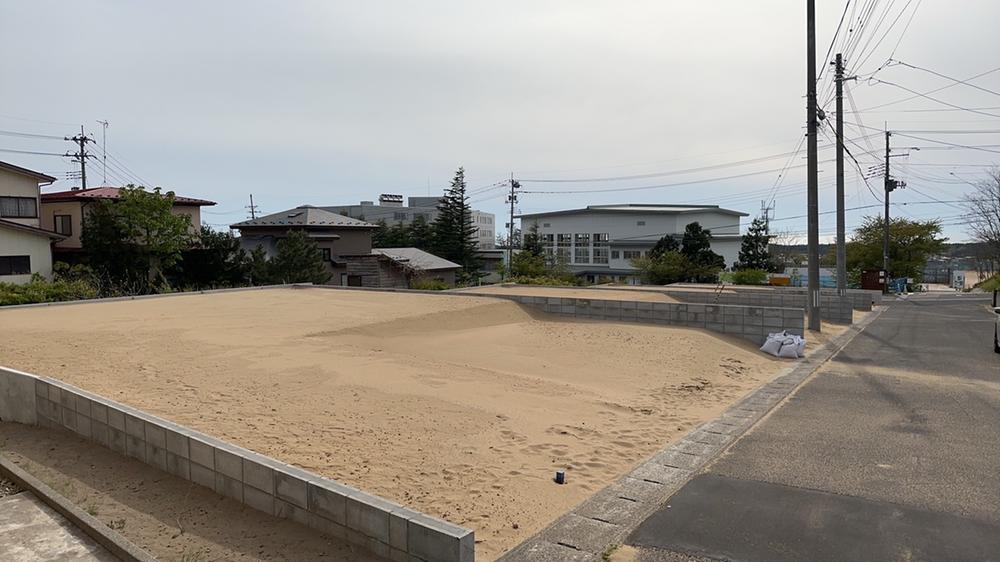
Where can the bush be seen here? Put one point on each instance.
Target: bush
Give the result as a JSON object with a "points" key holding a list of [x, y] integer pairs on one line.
{"points": [[749, 277], [424, 284], [546, 280], [991, 284], [41, 290]]}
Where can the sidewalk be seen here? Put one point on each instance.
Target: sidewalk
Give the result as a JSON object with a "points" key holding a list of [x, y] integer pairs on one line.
{"points": [[31, 531], [888, 453]]}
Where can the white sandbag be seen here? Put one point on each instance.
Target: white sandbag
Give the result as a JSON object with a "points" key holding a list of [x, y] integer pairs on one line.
{"points": [[800, 346], [788, 350], [772, 345]]}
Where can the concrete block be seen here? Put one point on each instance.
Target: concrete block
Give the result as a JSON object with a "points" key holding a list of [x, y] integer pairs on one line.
{"points": [[329, 528], [41, 389], [583, 533], [55, 393], [642, 305], [732, 328], [568, 310], [258, 475], [628, 314], [399, 520], [135, 447], [135, 426], [202, 453], [67, 399], [98, 412], [229, 464], [83, 405], [177, 444], [99, 432], [433, 539], [83, 426], [688, 446], [46, 408], [640, 490], [18, 397], [229, 487], [156, 456], [286, 510], [156, 435], [68, 416], [659, 473], [202, 476], [293, 490], [679, 459], [369, 515], [539, 550], [715, 327], [378, 548], [609, 506], [178, 466], [629, 305], [116, 440], [261, 501], [116, 419], [644, 315], [773, 323], [696, 308], [661, 306], [792, 313], [553, 300]]}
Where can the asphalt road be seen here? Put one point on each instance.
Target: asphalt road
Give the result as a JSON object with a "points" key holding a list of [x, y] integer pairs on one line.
{"points": [[890, 452]]}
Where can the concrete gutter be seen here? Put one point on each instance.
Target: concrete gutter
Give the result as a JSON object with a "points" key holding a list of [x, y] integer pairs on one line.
{"points": [[105, 536]]}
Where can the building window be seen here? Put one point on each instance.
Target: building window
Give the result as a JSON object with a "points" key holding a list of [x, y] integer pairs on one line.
{"points": [[399, 216], [15, 265], [19, 207], [601, 247], [326, 254], [581, 254], [546, 225], [640, 223], [563, 244], [615, 254], [631, 254], [63, 224], [548, 240]]}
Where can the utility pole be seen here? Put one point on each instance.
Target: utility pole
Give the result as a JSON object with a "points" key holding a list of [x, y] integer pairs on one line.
{"points": [[812, 305], [252, 208], [766, 212], [841, 236], [104, 148], [81, 157], [512, 199], [885, 226]]}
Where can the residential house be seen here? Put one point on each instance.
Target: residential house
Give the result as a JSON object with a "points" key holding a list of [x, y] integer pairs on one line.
{"points": [[397, 268], [25, 247], [390, 209], [599, 241], [64, 211]]}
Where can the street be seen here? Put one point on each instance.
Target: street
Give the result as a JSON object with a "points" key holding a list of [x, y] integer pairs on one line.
{"points": [[890, 452]]}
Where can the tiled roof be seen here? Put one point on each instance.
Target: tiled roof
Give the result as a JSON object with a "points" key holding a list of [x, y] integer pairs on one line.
{"points": [[26, 172], [640, 208], [305, 215], [112, 193], [30, 229], [416, 258]]}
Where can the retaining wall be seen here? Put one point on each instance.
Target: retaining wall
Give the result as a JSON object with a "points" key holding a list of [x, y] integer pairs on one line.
{"points": [[384, 528], [833, 309], [749, 322], [861, 299]]}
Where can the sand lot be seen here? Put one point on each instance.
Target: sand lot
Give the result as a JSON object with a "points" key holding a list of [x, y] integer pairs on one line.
{"points": [[546, 291], [458, 406]]}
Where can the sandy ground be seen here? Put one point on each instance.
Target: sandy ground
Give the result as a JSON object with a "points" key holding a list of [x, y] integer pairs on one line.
{"points": [[461, 407], [170, 518], [544, 291]]}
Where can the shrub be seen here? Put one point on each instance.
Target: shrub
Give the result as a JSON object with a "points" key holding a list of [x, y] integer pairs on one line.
{"points": [[41, 290], [425, 284], [546, 280], [749, 277]]}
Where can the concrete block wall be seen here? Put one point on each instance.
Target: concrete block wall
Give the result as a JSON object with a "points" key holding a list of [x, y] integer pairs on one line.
{"points": [[749, 322], [262, 483], [861, 299], [832, 308]]}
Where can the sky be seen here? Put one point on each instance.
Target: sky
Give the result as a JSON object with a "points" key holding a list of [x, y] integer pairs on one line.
{"points": [[329, 103]]}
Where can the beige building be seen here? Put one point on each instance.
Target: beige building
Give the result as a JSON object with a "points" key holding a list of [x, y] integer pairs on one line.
{"points": [[25, 247], [63, 212]]}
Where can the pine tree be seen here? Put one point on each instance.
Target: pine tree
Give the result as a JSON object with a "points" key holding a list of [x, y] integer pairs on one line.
{"points": [[299, 260], [754, 252], [454, 233], [666, 244], [532, 242], [696, 246]]}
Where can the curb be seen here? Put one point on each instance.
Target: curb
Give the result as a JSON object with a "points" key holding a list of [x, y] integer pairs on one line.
{"points": [[606, 518], [105, 536]]}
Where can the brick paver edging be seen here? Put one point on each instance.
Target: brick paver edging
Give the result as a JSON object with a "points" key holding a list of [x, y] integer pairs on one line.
{"points": [[605, 519], [340, 511], [105, 536]]}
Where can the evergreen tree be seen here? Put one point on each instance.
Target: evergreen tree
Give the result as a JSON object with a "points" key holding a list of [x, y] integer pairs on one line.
{"points": [[420, 234], [532, 242], [754, 252], [666, 244], [454, 233], [696, 246], [216, 261], [299, 260], [380, 235]]}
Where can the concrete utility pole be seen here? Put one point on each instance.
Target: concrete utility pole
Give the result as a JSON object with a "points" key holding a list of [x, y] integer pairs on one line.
{"points": [[81, 156], [841, 236], [512, 199], [252, 208], [812, 305], [885, 226], [104, 148]]}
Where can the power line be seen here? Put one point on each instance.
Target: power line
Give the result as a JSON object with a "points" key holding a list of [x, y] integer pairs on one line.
{"points": [[30, 135], [938, 74], [31, 152], [945, 87], [942, 102]]}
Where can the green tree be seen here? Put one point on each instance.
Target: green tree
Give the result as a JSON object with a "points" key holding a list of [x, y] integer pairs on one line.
{"points": [[454, 233], [299, 260], [532, 242], [380, 236], [217, 260], [420, 234], [696, 246], [132, 240], [911, 243], [666, 268], [754, 251], [666, 244]]}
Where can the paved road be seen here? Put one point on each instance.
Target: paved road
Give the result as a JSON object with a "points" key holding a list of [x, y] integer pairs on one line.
{"points": [[891, 452]]}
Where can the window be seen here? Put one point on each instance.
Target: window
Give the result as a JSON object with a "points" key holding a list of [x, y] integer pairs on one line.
{"points": [[63, 224], [19, 207], [615, 254], [601, 247], [399, 216], [640, 223], [563, 244], [326, 254], [631, 254], [581, 254], [15, 265], [546, 225], [548, 240]]}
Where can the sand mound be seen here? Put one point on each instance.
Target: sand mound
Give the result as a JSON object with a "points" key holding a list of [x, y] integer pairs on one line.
{"points": [[495, 313]]}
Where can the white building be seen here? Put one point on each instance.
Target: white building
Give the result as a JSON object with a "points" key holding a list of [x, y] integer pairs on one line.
{"points": [[25, 248], [390, 209], [600, 241]]}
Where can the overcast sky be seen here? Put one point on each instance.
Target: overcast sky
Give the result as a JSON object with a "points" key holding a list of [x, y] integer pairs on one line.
{"points": [[334, 102]]}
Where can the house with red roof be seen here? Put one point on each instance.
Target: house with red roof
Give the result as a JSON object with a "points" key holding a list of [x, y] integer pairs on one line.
{"points": [[63, 211], [25, 247]]}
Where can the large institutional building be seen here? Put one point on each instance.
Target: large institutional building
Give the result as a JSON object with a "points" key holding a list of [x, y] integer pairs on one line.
{"points": [[600, 241]]}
